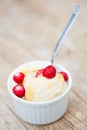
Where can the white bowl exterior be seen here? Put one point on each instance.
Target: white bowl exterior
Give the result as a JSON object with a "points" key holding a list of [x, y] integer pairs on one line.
{"points": [[40, 113]]}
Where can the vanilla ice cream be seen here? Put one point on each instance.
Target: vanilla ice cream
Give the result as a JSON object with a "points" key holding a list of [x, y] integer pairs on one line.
{"points": [[38, 89]]}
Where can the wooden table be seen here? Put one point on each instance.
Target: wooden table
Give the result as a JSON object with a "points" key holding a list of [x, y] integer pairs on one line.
{"points": [[29, 30]]}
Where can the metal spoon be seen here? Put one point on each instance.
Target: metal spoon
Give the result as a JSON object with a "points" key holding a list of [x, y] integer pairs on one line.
{"points": [[71, 21]]}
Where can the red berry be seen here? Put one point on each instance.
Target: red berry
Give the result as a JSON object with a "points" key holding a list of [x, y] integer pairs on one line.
{"points": [[65, 76], [49, 72], [18, 77], [19, 90], [39, 72]]}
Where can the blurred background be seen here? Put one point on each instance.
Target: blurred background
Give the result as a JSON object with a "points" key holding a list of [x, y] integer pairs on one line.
{"points": [[30, 29]]}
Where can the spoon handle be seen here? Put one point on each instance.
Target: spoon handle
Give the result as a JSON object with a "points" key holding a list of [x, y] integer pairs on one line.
{"points": [[71, 21]]}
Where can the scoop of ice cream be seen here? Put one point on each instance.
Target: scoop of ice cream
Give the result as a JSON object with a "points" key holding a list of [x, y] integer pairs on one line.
{"points": [[40, 88]]}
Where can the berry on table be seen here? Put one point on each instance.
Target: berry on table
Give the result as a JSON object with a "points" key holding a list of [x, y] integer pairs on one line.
{"points": [[65, 76], [19, 90], [49, 72], [18, 77]]}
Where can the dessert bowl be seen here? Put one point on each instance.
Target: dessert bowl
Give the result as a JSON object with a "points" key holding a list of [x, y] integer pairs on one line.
{"points": [[40, 112]]}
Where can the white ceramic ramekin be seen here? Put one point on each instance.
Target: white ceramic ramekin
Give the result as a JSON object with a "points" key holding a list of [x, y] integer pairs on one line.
{"points": [[40, 112]]}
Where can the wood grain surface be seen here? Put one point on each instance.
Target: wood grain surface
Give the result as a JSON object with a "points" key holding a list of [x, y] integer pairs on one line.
{"points": [[29, 30]]}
